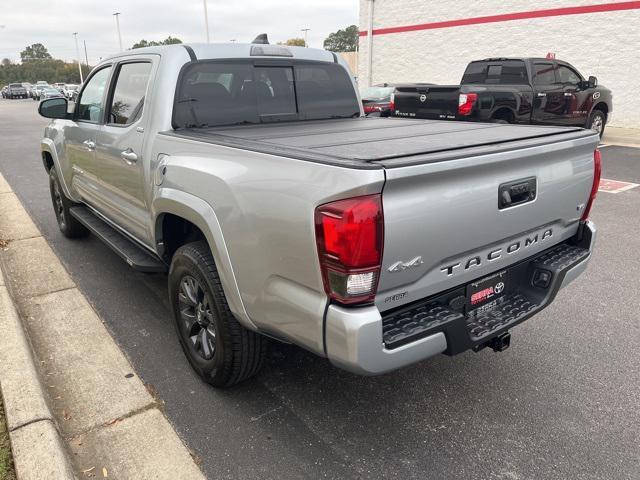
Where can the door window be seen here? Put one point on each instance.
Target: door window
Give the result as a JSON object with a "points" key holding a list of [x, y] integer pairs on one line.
{"points": [[544, 74], [90, 104], [567, 75], [129, 93]]}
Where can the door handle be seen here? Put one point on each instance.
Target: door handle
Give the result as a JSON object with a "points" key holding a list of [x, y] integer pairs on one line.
{"points": [[89, 144], [129, 156], [540, 94]]}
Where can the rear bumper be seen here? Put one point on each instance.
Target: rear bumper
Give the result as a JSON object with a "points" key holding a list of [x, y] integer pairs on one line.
{"points": [[364, 341]]}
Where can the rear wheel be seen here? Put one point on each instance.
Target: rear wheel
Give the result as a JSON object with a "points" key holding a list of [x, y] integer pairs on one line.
{"points": [[597, 122], [69, 226], [219, 349]]}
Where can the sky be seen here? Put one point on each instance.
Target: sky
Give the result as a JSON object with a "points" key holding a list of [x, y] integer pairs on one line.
{"points": [[53, 22]]}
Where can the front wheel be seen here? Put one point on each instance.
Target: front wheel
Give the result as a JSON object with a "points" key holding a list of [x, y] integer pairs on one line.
{"points": [[597, 122], [218, 348], [69, 226]]}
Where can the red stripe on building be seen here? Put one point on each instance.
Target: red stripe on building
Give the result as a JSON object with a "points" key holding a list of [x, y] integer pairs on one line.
{"points": [[507, 17]]}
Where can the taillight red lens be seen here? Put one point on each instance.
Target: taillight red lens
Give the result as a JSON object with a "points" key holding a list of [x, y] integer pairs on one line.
{"points": [[392, 102], [597, 170], [466, 101], [350, 234]]}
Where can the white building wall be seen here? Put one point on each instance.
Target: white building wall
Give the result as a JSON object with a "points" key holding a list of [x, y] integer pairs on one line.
{"points": [[605, 44]]}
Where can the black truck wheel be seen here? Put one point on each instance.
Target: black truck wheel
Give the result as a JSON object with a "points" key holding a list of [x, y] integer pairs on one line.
{"points": [[219, 349], [69, 226], [597, 122]]}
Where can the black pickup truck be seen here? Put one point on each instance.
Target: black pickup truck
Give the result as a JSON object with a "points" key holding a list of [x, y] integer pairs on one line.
{"points": [[512, 90]]}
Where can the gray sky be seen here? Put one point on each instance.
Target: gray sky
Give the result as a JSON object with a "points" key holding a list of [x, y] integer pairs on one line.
{"points": [[52, 22]]}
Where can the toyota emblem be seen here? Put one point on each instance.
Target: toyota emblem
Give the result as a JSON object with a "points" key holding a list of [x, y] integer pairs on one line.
{"points": [[499, 287], [423, 98]]}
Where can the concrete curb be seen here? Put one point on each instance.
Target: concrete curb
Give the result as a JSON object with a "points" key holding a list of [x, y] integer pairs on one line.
{"points": [[92, 414], [31, 425]]}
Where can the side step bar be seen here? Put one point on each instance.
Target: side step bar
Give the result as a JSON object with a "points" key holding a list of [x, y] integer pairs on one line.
{"points": [[138, 258]]}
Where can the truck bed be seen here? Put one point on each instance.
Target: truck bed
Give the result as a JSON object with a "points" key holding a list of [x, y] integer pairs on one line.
{"points": [[373, 142]]}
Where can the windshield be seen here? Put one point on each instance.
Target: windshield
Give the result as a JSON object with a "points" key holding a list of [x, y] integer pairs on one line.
{"points": [[213, 93], [377, 93], [15, 85]]}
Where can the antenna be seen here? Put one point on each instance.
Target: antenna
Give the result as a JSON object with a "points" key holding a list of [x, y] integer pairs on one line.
{"points": [[261, 39]]}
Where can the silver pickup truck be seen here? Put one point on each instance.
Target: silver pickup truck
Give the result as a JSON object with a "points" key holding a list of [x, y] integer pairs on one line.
{"points": [[249, 173]]}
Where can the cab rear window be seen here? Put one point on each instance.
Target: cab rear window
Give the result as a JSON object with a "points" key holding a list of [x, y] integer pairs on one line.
{"points": [[504, 72], [214, 93]]}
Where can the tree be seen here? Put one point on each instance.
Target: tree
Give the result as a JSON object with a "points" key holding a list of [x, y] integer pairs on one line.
{"points": [[5, 62], [37, 51], [343, 40], [167, 41], [293, 42]]}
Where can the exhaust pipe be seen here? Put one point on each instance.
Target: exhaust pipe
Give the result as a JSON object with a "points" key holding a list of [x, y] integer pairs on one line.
{"points": [[501, 342]]}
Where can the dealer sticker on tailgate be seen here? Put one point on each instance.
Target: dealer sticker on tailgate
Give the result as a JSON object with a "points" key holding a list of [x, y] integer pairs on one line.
{"points": [[487, 291]]}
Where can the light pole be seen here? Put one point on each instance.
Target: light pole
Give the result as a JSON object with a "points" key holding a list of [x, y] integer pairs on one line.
{"points": [[117, 15], [305, 30], [75, 36], [206, 19]]}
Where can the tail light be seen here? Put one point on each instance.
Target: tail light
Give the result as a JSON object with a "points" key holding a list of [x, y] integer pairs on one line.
{"points": [[350, 235], [466, 101], [597, 170], [392, 103]]}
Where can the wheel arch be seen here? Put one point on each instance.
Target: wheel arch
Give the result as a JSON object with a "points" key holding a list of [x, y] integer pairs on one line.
{"points": [[603, 107], [173, 208], [50, 160], [503, 113]]}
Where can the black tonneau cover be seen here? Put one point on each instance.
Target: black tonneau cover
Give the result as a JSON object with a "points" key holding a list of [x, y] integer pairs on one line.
{"points": [[373, 142]]}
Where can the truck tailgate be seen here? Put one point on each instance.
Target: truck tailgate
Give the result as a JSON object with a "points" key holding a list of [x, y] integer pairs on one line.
{"points": [[444, 226], [434, 102]]}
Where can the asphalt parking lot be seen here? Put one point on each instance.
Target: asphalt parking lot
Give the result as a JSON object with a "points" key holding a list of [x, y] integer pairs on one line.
{"points": [[563, 402]]}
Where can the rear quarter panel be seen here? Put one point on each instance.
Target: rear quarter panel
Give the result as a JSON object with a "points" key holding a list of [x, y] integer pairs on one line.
{"points": [[265, 207]]}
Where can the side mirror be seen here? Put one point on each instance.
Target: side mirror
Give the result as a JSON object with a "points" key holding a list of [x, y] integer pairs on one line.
{"points": [[593, 82], [53, 108]]}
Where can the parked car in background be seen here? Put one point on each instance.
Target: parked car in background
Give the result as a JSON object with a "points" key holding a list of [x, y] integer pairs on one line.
{"points": [[69, 90], [28, 87], [59, 86], [16, 90], [513, 90], [250, 175], [42, 82], [5, 91], [50, 92], [37, 91], [378, 99]]}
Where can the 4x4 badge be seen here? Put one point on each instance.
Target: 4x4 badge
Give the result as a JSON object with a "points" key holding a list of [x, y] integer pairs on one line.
{"points": [[400, 266]]}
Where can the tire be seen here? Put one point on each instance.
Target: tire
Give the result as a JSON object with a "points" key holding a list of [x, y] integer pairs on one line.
{"points": [[597, 121], [69, 226], [219, 349]]}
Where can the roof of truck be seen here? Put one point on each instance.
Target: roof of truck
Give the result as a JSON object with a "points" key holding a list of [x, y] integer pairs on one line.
{"points": [[204, 51], [523, 59]]}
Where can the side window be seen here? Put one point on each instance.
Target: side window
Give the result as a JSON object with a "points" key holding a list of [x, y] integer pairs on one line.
{"points": [[567, 75], [128, 95], [90, 104], [544, 74]]}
